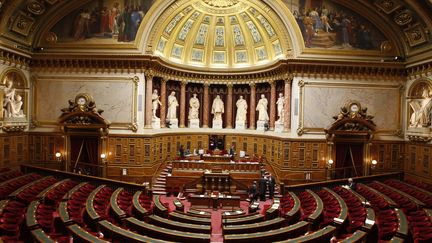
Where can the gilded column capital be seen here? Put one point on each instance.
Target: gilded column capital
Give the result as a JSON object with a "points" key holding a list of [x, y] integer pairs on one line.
{"points": [[206, 84], [252, 84], [149, 73], [288, 77], [184, 82], [230, 85], [135, 79], [301, 83], [272, 82]]}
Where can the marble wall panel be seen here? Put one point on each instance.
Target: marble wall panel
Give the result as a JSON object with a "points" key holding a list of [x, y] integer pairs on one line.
{"points": [[321, 103], [115, 97]]}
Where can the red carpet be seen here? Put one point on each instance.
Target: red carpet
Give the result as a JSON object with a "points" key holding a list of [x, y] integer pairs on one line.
{"points": [[216, 215]]}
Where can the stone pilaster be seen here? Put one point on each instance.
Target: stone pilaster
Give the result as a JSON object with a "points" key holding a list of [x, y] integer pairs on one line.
{"points": [[272, 104], [287, 106], [252, 106], [163, 98], [148, 99], [206, 110], [183, 103], [229, 111]]}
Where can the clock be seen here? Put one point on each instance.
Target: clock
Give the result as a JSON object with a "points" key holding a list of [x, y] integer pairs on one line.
{"points": [[81, 101], [354, 108]]}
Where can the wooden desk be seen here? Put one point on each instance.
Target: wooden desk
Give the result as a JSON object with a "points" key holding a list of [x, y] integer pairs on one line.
{"points": [[216, 158], [200, 200], [216, 181], [214, 202]]}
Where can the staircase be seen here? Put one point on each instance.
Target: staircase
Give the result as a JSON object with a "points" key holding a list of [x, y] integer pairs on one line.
{"points": [[159, 185], [276, 191]]}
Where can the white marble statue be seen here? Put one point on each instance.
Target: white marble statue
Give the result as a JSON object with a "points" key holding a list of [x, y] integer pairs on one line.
{"points": [[155, 103], [12, 102], [194, 105], [280, 107], [217, 108], [172, 106], [241, 109], [262, 109], [421, 110]]}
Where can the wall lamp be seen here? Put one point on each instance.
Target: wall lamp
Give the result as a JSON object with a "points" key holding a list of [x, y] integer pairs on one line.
{"points": [[103, 157], [58, 156], [373, 164], [330, 163]]}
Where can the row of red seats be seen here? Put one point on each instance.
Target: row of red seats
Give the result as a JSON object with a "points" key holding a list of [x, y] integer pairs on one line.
{"points": [[13, 184], [331, 208], [422, 185], [386, 218], [308, 204], [286, 204], [12, 216], [7, 175], [57, 193], [76, 203], [146, 202], [101, 203], [420, 226], [124, 201], [425, 198], [401, 201], [30, 193], [356, 210]]}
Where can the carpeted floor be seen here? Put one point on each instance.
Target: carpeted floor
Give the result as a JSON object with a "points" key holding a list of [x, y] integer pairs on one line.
{"points": [[216, 215]]}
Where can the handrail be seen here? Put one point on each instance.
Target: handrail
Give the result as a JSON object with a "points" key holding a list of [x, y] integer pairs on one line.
{"points": [[273, 172], [158, 170]]}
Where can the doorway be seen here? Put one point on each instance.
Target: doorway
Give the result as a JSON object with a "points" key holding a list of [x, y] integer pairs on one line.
{"points": [[84, 155], [349, 160]]}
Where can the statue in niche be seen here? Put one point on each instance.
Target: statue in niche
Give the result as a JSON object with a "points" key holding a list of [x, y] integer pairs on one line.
{"points": [[217, 108], [172, 106], [242, 106], [194, 105], [262, 109], [421, 116], [155, 103], [280, 108], [12, 102]]}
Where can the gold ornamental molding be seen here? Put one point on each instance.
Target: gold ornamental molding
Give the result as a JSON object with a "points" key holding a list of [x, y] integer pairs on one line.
{"points": [[14, 59], [276, 71], [420, 71]]}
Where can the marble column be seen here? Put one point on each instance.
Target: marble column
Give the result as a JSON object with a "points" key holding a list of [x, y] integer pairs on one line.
{"points": [[163, 106], [287, 105], [272, 104], [148, 101], [230, 107], [252, 106], [206, 110], [183, 103]]}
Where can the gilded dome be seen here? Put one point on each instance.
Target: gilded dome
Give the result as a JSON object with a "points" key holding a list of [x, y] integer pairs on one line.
{"points": [[220, 34]]}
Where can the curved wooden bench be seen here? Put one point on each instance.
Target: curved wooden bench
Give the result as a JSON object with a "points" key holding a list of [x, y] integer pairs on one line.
{"points": [[419, 203], [43, 193], [64, 214], [402, 230], [233, 214], [370, 220], [295, 210], [273, 211], [68, 195], [321, 235], [139, 209], [396, 239], [40, 236], [247, 219], [176, 216], [82, 235], [358, 236], [31, 221], [14, 194], [283, 233], [180, 226], [319, 209], [254, 227], [179, 205], [159, 208], [116, 233], [391, 203], [156, 231], [3, 204], [343, 214], [198, 213], [119, 213], [91, 212]]}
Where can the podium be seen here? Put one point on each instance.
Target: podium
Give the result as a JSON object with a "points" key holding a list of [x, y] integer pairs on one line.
{"points": [[216, 181]]}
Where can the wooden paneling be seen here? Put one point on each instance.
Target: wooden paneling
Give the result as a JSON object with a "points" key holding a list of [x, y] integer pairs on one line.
{"points": [[389, 155], [13, 150], [417, 161]]}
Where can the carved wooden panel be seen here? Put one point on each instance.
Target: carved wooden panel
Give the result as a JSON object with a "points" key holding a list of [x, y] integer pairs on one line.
{"points": [[417, 162], [388, 155], [43, 147]]}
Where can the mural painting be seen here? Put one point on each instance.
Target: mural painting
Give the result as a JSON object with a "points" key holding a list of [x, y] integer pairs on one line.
{"points": [[103, 22], [325, 24]]}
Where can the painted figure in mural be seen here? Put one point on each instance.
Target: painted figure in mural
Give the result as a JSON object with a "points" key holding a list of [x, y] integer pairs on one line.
{"points": [[345, 28], [217, 108], [115, 12], [82, 25], [135, 23], [421, 116], [155, 103], [172, 106], [194, 105], [280, 107], [12, 102], [326, 22], [262, 109], [308, 23], [241, 109]]}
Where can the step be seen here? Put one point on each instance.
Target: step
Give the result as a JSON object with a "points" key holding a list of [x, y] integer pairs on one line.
{"points": [[159, 193]]}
